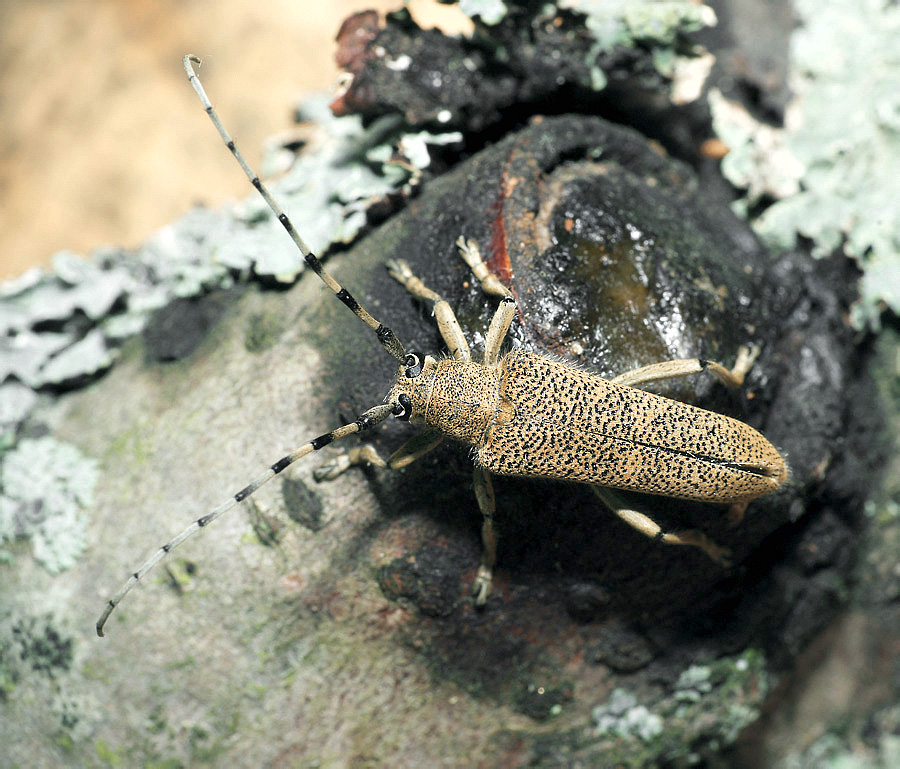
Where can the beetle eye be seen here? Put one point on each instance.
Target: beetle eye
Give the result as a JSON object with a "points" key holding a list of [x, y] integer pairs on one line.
{"points": [[413, 365], [403, 410]]}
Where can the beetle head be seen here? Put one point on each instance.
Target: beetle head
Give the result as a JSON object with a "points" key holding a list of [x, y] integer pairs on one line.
{"points": [[412, 390]]}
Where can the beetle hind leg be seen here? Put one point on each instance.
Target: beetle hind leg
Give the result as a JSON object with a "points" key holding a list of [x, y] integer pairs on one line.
{"points": [[650, 528], [736, 512]]}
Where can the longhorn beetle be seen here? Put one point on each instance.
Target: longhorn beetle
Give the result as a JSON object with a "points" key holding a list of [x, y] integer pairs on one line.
{"points": [[529, 415]]}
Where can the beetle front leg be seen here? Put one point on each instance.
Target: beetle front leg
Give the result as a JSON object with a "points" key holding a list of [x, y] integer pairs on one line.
{"points": [[497, 331], [447, 324], [359, 455], [650, 528], [484, 493], [471, 255], [415, 448], [490, 284]]}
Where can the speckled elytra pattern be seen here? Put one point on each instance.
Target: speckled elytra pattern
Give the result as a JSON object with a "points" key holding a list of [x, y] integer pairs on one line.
{"points": [[552, 420]]}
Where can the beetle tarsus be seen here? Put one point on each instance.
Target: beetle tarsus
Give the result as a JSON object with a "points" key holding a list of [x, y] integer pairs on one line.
{"points": [[481, 585]]}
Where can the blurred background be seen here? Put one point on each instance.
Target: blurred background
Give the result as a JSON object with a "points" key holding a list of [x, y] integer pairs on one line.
{"points": [[102, 140]]}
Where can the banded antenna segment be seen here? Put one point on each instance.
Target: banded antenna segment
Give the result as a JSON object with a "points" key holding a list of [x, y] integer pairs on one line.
{"points": [[386, 336]]}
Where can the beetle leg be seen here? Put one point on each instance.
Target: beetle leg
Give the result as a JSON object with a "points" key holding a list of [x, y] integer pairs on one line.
{"points": [[471, 255], [490, 284], [359, 455], [415, 448], [650, 528], [447, 324], [497, 330], [733, 377], [736, 512], [484, 493]]}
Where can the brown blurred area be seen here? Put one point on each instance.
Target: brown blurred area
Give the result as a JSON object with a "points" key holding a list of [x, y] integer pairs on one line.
{"points": [[102, 140]]}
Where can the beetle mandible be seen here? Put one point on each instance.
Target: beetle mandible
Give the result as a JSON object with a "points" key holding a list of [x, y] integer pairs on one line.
{"points": [[529, 415]]}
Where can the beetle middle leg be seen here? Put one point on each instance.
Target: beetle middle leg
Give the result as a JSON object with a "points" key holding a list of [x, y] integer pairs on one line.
{"points": [[484, 487], [484, 578]]}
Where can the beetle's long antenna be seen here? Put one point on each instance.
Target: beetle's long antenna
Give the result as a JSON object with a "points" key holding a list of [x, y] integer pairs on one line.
{"points": [[365, 421], [387, 337]]}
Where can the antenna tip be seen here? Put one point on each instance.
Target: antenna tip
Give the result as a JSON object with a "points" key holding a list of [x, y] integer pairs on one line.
{"points": [[103, 617], [187, 61]]}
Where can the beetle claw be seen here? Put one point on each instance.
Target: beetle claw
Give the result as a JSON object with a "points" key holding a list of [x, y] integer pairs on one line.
{"points": [[331, 470], [736, 513], [721, 555], [481, 585]]}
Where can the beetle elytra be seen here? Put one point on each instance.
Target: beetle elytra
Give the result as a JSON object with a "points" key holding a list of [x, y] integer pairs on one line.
{"points": [[525, 414]]}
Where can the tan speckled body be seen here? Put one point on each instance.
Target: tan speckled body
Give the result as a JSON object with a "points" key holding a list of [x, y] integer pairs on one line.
{"points": [[536, 417]]}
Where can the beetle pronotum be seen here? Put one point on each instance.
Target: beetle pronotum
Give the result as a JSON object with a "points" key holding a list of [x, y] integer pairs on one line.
{"points": [[529, 415]]}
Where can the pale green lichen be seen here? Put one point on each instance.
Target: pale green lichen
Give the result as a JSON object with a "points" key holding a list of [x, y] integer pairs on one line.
{"points": [[758, 159], [838, 156], [657, 22], [88, 356], [16, 402], [659, 25], [693, 684], [832, 752], [46, 485], [326, 192], [490, 11], [621, 716], [709, 707], [734, 688], [61, 328]]}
